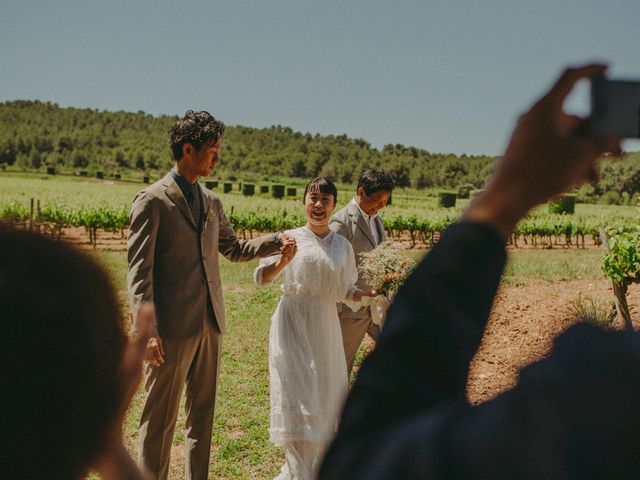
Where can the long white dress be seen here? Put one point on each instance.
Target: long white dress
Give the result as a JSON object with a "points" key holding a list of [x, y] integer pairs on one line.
{"points": [[307, 366]]}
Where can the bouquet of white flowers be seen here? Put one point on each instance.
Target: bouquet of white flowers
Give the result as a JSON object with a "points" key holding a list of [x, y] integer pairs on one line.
{"points": [[385, 268]]}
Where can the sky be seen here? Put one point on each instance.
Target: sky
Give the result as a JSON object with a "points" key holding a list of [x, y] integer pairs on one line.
{"points": [[446, 76]]}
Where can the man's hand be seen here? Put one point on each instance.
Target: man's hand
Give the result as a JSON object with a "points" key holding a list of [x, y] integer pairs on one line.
{"points": [[154, 352], [545, 157]]}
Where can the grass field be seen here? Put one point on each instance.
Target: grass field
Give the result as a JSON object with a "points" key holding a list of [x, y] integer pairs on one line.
{"points": [[240, 445]]}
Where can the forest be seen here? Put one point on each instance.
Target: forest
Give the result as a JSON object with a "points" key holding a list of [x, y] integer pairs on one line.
{"points": [[36, 135]]}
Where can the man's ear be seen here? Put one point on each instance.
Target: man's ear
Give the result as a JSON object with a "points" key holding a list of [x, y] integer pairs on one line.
{"points": [[187, 150], [360, 192]]}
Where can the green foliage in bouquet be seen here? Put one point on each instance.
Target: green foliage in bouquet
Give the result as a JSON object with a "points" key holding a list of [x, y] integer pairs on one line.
{"points": [[386, 267]]}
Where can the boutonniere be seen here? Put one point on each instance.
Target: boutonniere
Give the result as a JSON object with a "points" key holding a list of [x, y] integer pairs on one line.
{"points": [[209, 216]]}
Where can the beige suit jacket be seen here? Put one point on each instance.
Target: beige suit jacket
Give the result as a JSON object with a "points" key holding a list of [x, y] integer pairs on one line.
{"points": [[350, 223], [174, 265]]}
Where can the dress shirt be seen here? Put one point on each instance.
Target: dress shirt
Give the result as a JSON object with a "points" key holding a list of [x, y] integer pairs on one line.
{"points": [[371, 221]]}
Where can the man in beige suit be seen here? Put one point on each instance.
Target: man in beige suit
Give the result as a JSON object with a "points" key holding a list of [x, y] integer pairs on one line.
{"points": [[176, 231], [359, 222]]}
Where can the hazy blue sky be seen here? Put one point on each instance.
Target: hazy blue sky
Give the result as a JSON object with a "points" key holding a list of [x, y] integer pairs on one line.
{"points": [[448, 76]]}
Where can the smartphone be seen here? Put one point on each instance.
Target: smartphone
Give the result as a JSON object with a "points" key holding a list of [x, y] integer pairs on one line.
{"points": [[615, 108]]}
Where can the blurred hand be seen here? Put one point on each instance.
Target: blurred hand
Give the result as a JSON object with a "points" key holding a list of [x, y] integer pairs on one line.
{"points": [[115, 461], [545, 157]]}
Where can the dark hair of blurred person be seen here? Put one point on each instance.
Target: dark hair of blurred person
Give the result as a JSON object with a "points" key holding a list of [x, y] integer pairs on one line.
{"points": [[61, 355]]}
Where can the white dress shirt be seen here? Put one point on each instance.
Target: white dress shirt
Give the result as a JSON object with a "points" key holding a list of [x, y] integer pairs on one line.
{"points": [[371, 221]]}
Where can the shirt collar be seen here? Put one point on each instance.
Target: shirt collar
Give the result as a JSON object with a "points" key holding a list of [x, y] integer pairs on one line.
{"points": [[366, 216], [183, 183]]}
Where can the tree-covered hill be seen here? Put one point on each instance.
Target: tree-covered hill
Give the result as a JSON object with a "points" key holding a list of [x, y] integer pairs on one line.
{"points": [[35, 134]]}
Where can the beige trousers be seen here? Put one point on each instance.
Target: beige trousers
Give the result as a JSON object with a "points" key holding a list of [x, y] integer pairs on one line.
{"points": [[192, 363], [353, 330]]}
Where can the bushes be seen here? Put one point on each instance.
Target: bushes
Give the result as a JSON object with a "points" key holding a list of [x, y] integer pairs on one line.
{"points": [[277, 191], [465, 190], [610, 198], [447, 199], [563, 204]]}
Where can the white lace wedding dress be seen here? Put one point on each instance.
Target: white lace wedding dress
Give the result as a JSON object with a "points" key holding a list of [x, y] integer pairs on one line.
{"points": [[307, 366]]}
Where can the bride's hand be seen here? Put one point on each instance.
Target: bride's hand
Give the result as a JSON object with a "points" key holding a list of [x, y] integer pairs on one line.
{"points": [[288, 250]]}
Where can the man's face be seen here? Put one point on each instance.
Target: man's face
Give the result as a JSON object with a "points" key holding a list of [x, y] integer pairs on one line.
{"points": [[206, 158], [371, 204]]}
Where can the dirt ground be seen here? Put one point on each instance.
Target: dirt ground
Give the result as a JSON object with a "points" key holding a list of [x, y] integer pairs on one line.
{"points": [[525, 320]]}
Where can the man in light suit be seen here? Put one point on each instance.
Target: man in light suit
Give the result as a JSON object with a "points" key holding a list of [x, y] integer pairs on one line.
{"points": [[359, 222], [176, 231]]}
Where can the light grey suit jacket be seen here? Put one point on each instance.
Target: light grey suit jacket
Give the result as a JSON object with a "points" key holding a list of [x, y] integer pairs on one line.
{"points": [[174, 265], [350, 223]]}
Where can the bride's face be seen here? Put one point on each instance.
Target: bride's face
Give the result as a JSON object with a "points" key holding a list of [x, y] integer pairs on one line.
{"points": [[319, 207]]}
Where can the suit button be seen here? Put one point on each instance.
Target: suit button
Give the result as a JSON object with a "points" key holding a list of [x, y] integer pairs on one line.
{"points": [[204, 257]]}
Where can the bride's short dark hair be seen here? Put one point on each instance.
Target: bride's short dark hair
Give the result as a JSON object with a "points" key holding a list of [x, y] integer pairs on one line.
{"points": [[322, 185]]}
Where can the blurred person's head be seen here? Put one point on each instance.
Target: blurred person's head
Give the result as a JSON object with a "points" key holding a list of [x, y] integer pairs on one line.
{"points": [[61, 348], [373, 190]]}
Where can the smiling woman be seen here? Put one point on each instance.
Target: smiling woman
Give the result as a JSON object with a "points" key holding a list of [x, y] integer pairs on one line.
{"points": [[307, 366]]}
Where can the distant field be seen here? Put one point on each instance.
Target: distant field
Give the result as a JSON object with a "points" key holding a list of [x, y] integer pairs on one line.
{"points": [[71, 190]]}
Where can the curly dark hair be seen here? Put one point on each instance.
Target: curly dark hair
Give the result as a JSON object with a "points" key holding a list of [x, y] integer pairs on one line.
{"points": [[322, 185], [60, 353], [375, 181], [196, 128]]}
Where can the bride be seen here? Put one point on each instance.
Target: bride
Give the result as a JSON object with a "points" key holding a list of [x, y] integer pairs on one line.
{"points": [[307, 365]]}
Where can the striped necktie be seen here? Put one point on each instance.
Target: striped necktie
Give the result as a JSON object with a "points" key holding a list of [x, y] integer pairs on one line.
{"points": [[194, 204]]}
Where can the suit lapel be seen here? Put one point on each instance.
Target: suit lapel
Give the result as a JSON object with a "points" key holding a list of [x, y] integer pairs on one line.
{"points": [[381, 232], [175, 194], [354, 211]]}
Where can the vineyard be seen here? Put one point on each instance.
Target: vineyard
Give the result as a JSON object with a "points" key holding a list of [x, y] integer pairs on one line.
{"points": [[52, 205], [539, 229]]}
